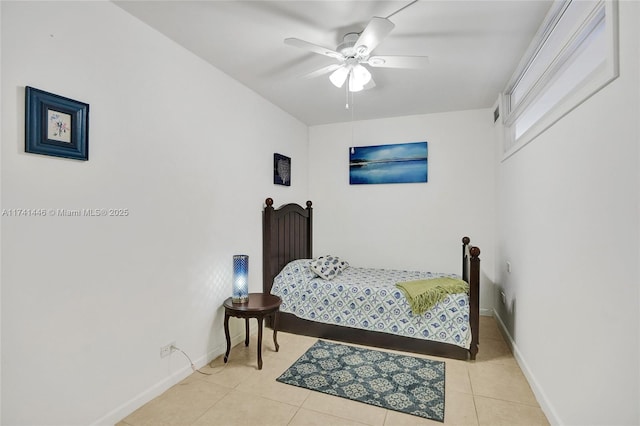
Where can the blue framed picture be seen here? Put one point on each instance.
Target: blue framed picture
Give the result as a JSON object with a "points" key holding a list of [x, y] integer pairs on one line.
{"points": [[281, 170], [55, 125], [399, 163]]}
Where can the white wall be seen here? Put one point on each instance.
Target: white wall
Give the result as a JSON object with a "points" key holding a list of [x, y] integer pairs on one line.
{"points": [[87, 302], [1, 127], [413, 226], [568, 223]]}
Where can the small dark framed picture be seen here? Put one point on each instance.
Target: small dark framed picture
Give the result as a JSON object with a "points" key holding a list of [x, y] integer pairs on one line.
{"points": [[55, 125], [281, 170]]}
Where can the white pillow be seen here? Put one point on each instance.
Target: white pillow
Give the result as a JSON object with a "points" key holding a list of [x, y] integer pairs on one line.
{"points": [[328, 267]]}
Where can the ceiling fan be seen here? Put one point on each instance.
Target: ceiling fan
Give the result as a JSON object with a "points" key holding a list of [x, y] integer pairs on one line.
{"points": [[354, 53]]}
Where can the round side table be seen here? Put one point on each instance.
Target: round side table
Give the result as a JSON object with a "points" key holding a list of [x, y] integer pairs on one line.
{"points": [[259, 306]]}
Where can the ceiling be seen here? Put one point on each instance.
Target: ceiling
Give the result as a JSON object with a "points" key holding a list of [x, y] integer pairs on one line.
{"points": [[473, 48]]}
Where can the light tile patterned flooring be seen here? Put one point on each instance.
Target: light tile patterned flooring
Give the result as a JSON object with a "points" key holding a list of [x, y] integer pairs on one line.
{"points": [[489, 391]]}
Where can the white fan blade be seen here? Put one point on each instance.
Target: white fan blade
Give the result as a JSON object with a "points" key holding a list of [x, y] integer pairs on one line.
{"points": [[377, 29], [295, 42], [322, 71], [415, 62]]}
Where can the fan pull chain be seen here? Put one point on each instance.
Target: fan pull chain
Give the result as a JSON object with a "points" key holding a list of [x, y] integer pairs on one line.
{"points": [[352, 111], [346, 86], [353, 106]]}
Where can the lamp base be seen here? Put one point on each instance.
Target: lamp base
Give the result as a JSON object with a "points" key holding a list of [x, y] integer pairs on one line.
{"points": [[240, 300]]}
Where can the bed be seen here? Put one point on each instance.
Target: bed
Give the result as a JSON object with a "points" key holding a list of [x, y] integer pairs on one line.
{"points": [[449, 329]]}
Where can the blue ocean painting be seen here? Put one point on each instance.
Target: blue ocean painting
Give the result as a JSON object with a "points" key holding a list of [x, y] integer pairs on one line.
{"points": [[399, 163]]}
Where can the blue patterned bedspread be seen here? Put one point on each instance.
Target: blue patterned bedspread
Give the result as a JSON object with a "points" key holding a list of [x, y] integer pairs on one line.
{"points": [[368, 299]]}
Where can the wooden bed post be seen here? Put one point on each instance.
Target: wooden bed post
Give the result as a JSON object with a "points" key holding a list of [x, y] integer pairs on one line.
{"points": [[309, 229], [465, 263], [474, 300], [266, 245]]}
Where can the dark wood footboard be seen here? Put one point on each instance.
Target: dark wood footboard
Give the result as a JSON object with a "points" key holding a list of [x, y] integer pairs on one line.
{"points": [[287, 235]]}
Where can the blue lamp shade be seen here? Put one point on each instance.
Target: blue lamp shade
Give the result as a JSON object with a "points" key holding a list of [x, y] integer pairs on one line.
{"points": [[240, 278]]}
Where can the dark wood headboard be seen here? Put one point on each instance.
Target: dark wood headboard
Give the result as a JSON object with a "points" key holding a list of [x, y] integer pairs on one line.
{"points": [[286, 235]]}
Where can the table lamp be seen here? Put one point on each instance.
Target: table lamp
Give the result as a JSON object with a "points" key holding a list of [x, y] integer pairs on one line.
{"points": [[240, 278]]}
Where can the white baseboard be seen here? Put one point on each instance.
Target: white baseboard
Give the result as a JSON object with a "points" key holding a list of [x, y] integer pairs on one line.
{"points": [[152, 392], [485, 312], [539, 393]]}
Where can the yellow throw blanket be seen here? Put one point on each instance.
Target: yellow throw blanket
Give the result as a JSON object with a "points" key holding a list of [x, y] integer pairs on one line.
{"points": [[423, 294]]}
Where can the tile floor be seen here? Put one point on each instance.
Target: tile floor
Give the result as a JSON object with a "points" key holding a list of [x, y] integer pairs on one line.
{"points": [[489, 391]]}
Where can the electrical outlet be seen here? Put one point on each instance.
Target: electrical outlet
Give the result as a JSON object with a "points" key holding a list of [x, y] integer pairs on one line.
{"points": [[166, 350]]}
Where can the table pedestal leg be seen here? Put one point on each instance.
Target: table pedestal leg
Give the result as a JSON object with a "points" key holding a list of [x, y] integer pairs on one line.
{"points": [[275, 331], [259, 343], [246, 332], [226, 334]]}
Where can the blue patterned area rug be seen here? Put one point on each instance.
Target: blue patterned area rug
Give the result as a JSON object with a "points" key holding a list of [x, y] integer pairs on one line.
{"points": [[397, 382]]}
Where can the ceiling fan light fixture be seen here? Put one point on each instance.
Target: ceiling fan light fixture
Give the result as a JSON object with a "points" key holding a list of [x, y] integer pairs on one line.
{"points": [[339, 76], [361, 75], [358, 78], [353, 84]]}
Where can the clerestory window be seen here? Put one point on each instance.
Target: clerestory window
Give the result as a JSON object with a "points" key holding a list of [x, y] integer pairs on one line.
{"points": [[573, 55]]}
